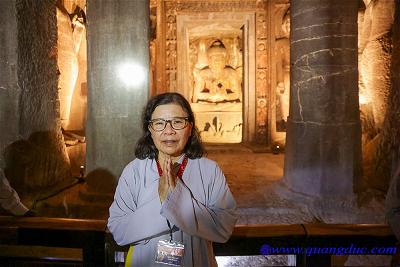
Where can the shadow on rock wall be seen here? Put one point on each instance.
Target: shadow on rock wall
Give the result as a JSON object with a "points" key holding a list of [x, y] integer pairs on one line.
{"points": [[36, 164]]}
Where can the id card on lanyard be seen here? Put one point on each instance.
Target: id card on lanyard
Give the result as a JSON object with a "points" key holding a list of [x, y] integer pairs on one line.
{"points": [[171, 252]]}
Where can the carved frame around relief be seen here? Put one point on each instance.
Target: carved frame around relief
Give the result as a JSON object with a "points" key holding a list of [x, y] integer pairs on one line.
{"points": [[257, 97]]}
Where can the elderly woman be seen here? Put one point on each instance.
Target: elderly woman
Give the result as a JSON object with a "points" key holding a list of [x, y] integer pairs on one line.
{"points": [[171, 203]]}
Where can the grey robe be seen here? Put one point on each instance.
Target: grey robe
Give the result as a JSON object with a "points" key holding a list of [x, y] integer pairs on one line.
{"points": [[200, 210]]}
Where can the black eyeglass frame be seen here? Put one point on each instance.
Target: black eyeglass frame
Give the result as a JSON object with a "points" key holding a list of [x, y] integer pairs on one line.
{"points": [[170, 123]]}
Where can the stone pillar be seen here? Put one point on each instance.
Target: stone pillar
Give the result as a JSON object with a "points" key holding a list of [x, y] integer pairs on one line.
{"points": [[323, 136], [117, 36], [9, 90], [39, 159]]}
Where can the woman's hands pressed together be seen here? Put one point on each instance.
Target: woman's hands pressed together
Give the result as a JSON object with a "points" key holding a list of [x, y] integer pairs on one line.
{"points": [[167, 180]]}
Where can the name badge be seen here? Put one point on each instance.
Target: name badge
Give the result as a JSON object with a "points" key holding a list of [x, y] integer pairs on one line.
{"points": [[170, 252]]}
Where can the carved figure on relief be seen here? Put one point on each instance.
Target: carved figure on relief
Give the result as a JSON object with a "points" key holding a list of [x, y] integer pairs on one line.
{"points": [[215, 128], [261, 26], [236, 57], [171, 81], [262, 112], [171, 28], [262, 57], [217, 82], [282, 57], [193, 54], [171, 60], [261, 79]]}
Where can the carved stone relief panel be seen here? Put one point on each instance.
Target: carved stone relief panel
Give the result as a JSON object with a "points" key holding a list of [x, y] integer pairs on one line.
{"points": [[216, 77], [212, 74], [219, 123], [241, 89]]}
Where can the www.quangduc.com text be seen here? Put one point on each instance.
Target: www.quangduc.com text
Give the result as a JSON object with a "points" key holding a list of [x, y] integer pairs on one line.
{"points": [[349, 250]]}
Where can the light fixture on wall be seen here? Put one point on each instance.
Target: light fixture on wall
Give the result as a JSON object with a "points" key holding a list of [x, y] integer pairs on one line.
{"points": [[276, 148], [131, 74]]}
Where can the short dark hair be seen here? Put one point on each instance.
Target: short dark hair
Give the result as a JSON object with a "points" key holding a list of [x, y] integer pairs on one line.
{"points": [[145, 147]]}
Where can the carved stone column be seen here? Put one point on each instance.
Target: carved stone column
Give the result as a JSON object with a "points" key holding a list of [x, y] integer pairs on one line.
{"points": [[117, 38], [323, 136], [9, 89], [39, 158]]}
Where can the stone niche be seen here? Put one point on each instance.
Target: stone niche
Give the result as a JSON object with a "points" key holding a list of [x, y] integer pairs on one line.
{"points": [[216, 69]]}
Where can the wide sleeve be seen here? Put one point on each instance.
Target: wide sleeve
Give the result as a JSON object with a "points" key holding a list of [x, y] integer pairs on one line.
{"points": [[213, 219], [129, 222], [9, 199]]}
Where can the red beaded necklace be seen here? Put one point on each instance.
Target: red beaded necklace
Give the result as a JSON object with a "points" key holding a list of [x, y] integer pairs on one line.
{"points": [[181, 168]]}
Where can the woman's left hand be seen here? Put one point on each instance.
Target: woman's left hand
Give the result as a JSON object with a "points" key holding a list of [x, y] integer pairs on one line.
{"points": [[171, 177]]}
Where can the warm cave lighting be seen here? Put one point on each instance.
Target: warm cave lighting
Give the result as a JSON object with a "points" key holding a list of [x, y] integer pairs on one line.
{"points": [[363, 99], [131, 74]]}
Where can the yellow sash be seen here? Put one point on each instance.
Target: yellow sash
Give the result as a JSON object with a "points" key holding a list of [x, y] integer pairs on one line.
{"points": [[129, 256]]}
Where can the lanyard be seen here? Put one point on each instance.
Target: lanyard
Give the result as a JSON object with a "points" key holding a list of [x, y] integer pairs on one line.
{"points": [[179, 174]]}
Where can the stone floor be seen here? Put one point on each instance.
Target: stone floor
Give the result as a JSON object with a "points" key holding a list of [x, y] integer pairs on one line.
{"points": [[249, 174], [256, 180], [252, 178]]}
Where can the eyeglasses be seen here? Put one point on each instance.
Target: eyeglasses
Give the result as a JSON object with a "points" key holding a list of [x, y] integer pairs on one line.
{"points": [[177, 123]]}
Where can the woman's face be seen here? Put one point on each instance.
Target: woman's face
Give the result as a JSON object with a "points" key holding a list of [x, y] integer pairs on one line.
{"points": [[170, 141]]}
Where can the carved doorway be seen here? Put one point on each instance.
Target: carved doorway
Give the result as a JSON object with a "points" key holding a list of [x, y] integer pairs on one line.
{"points": [[185, 30], [216, 70]]}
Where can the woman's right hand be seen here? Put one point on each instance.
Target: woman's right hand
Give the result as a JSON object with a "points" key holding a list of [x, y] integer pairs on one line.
{"points": [[163, 188], [167, 180]]}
